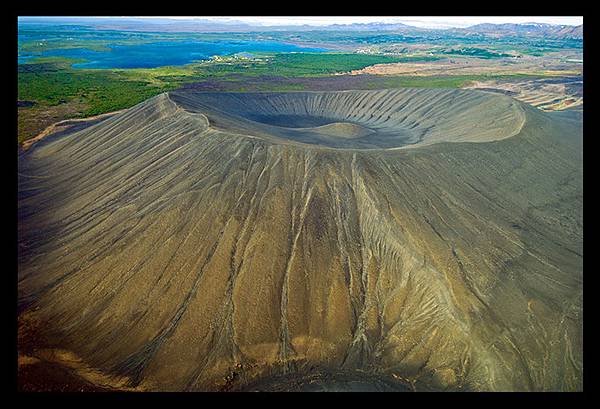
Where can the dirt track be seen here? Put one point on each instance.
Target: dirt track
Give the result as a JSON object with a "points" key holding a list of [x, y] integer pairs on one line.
{"points": [[66, 125]]}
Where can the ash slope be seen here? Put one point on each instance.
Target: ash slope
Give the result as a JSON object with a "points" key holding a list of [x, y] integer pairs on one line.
{"points": [[180, 247]]}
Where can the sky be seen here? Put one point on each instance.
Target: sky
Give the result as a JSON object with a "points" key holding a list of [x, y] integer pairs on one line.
{"points": [[417, 21]]}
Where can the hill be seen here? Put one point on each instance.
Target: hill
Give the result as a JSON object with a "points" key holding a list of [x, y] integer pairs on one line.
{"points": [[528, 29], [206, 241]]}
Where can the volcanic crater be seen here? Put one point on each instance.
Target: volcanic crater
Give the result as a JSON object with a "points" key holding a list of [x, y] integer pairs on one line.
{"points": [[206, 241], [360, 119]]}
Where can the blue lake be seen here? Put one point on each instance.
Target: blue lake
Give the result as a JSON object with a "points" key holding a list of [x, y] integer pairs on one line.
{"points": [[162, 53]]}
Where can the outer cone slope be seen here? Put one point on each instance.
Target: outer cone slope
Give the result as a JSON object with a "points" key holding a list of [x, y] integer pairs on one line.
{"points": [[186, 245]]}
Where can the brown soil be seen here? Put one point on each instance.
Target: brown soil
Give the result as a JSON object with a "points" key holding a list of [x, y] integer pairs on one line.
{"points": [[469, 66], [50, 377], [43, 369], [34, 119], [64, 125]]}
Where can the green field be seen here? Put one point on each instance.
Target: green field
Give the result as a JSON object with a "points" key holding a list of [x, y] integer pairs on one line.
{"points": [[53, 81]]}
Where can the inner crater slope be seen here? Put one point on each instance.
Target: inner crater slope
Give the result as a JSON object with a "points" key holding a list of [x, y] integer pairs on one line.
{"points": [[391, 240], [383, 119]]}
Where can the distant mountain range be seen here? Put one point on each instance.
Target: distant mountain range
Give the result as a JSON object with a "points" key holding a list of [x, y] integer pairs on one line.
{"points": [[528, 29], [202, 25], [208, 25]]}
